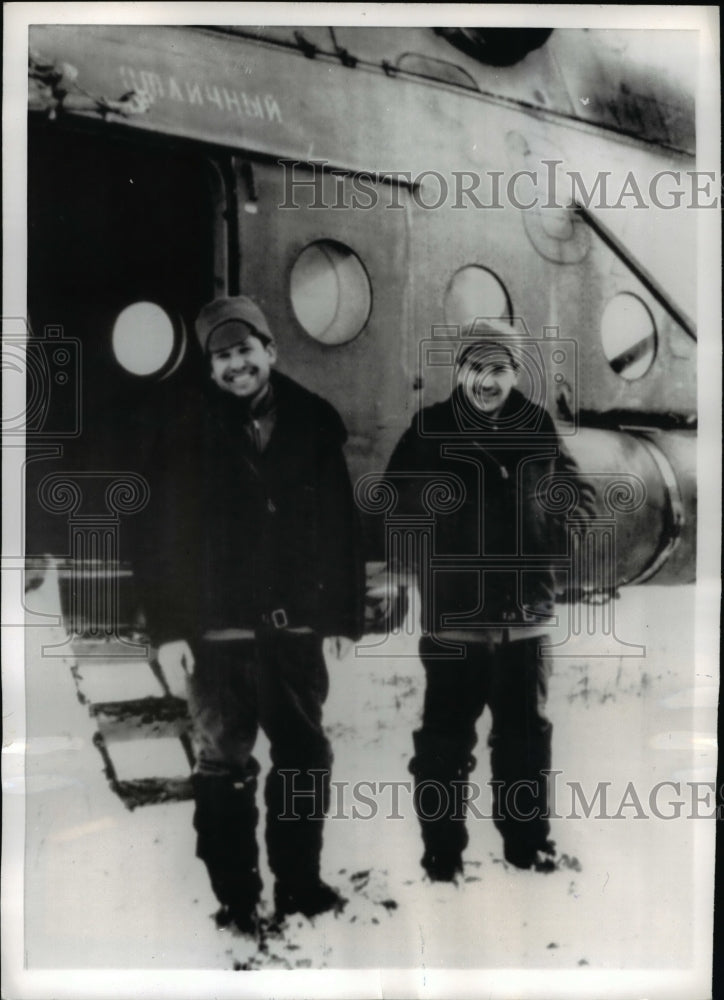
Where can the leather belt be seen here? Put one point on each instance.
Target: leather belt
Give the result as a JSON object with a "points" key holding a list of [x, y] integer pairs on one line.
{"points": [[276, 620], [495, 636]]}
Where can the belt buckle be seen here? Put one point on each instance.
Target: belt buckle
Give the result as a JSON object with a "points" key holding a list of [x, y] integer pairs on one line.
{"points": [[279, 618]]}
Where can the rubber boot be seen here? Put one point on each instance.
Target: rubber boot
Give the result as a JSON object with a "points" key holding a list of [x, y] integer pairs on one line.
{"points": [[440, 771], [296, 804], [520, 753], [225, 821]]}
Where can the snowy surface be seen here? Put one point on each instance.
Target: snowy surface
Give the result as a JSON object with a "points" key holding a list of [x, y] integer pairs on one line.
{"points": [[107, 888]]}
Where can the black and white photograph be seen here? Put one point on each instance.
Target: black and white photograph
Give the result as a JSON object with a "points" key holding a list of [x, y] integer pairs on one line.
{"points": [[361, 500]]}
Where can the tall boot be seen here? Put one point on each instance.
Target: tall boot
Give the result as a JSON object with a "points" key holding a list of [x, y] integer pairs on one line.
{"points": [[296, 804], [441, 767], [225, 821], [520, 753]]}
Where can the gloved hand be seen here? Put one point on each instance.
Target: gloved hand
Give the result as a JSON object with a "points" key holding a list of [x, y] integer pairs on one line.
{"points": [[336, 647], [175, 654]]}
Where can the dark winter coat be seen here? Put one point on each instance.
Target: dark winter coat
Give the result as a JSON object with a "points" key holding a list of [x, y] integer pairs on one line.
{"points": [[232, 535], [495, 545]]}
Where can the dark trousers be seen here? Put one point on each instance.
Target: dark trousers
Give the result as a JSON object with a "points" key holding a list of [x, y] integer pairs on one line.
{"points": [[279, 682], [512, 679]]}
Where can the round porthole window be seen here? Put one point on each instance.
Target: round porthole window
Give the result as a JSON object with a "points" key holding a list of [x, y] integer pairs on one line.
{"points": [[330, 292], [475, 293], [145, 340], [628, 336]]}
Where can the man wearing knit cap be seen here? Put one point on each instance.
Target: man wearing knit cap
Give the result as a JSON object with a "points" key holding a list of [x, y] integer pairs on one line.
{"points": [[253, 563], [485, 613]]}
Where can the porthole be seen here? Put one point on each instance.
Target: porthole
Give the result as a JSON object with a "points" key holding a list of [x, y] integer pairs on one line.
{"points": [[330, 292], [628, 336], [146, 341], [475, 292]]}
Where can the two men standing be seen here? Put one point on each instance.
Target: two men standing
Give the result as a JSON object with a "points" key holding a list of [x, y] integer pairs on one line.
{"points": [[254, 559]]}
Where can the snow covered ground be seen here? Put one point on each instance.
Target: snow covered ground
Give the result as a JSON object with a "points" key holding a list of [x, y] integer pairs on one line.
{"points": [[111, 889]]}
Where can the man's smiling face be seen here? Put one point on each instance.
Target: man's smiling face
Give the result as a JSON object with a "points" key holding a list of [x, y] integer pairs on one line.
{"points": [[243, 368], [486, 375]]}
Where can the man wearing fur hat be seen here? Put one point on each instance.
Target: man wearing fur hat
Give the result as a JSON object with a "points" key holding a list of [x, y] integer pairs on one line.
{"points": [[486, 611], [253, 562]]}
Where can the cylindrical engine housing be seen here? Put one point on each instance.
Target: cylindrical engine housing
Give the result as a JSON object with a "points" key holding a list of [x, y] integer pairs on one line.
{"points": [[645, 483]]}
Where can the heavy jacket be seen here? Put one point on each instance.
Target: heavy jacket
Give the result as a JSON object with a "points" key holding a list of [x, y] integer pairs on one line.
{"points": [[495, 543], [232, 535]]}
